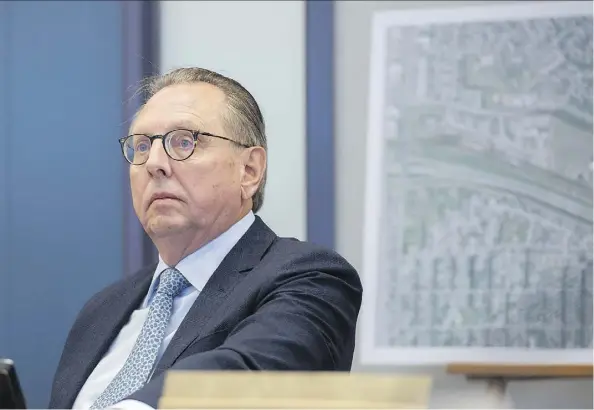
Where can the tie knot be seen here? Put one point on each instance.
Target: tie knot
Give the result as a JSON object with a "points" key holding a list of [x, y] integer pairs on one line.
{"points": [[172, 282]]}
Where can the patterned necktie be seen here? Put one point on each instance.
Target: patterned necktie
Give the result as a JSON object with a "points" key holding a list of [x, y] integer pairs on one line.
{"points": [[141, 361]]}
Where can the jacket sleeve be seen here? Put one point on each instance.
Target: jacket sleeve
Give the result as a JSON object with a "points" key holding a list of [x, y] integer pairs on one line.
{"points": [[305, 322]]}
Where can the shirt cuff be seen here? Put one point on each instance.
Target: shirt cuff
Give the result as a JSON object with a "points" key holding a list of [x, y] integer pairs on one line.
{"points": [[131, 405]]}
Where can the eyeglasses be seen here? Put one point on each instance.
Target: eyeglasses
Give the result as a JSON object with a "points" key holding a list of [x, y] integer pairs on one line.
{"points": [[178, 144]]}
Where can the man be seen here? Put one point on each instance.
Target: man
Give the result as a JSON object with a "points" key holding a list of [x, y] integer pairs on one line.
{"points": [[227, 293]]}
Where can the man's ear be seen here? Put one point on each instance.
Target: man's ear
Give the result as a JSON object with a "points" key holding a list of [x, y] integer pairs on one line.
{"points": [[254, 167]]}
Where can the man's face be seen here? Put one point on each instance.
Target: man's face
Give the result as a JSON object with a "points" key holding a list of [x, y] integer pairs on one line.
{"points": [[206, 188]]}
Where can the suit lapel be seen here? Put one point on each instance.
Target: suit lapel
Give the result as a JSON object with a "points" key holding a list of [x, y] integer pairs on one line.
{"points": [[113, 313], [242, 258]]}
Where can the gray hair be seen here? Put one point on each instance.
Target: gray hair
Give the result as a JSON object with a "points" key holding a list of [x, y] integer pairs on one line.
{"points": [[243, 118]]}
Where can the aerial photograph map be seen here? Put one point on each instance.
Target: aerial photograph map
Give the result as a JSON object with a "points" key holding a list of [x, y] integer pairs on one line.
{"points": [[485, 185]]}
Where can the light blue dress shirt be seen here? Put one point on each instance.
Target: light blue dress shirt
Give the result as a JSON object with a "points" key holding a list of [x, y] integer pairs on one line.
{"points": [[197, 268]]}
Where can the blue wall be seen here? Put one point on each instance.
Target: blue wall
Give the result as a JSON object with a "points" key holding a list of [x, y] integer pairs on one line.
{"points": [[61, 174], [319, 48]]}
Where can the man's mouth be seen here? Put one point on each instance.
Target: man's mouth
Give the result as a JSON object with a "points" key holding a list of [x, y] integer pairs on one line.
{"points": [[162, 196]]}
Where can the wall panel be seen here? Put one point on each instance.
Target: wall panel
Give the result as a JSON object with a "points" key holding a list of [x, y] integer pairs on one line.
{"points": [[61, 191]]}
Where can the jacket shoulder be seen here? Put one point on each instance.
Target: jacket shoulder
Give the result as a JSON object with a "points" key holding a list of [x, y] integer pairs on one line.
{"points": [[290, 255], [295, 248], [114, 288]]}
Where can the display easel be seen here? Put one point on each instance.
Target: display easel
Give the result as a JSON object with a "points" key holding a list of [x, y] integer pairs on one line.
{"points": [[497, 376]]}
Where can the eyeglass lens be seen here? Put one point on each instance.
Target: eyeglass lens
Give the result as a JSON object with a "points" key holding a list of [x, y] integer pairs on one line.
{"points": [[179, 145]]}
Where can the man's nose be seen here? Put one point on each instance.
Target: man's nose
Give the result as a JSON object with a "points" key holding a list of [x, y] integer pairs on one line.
{"points": [[158, 163]]}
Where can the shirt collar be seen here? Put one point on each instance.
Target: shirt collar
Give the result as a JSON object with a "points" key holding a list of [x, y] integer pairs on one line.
{"points": [[199, 266]]}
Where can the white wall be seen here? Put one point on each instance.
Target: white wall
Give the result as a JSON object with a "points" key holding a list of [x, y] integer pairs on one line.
{"points": [[261, 44], [353, 30]]}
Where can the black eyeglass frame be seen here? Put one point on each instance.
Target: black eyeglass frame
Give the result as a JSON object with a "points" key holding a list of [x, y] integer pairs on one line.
{"points": [[195, 135]]}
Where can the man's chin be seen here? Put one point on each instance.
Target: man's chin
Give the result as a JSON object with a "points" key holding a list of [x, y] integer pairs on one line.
{"points": [[164, 226]]}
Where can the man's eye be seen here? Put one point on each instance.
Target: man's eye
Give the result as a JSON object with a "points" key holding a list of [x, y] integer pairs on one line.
{"points": [[142, 147], [185, 144]]}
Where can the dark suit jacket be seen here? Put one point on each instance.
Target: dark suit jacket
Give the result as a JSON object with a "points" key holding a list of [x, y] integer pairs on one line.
{"points": [[273, 304]]}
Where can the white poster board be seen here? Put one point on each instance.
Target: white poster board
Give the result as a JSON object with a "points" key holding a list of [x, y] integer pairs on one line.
{"points": [[478, 214]]}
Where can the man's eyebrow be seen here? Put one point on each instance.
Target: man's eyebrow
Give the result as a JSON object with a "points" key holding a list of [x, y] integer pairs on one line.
{"points": [[185, 125]]}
